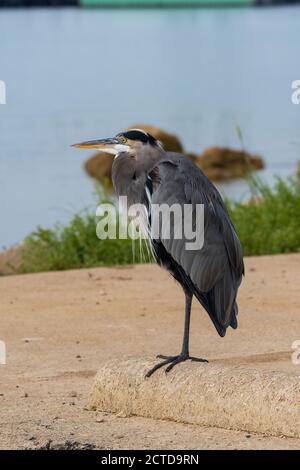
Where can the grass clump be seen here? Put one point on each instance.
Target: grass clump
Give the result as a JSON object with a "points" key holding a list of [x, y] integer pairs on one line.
{"points": [[270, 222]]}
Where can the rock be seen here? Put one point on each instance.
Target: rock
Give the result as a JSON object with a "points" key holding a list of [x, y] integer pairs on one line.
{"points": [[214, 395], [221, 163]]}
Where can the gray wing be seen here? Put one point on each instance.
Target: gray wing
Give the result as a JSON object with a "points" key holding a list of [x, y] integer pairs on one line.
{"points": [[216, 269]]}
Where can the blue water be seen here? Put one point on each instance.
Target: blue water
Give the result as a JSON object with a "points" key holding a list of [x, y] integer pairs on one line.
{"points": [[77, 74]]}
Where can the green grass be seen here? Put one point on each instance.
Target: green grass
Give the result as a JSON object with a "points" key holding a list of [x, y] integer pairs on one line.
{"points": [[76, 245], [269, 226], [73, 246]]}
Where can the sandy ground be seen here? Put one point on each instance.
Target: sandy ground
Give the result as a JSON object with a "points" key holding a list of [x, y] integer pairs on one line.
{"points": [[60, 327]]}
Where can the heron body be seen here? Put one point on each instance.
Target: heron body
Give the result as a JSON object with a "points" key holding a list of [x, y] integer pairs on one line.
{"points": [[147, 175]]}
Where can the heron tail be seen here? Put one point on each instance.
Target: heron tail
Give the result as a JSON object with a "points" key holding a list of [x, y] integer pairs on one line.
{"points": [[220, 304]]}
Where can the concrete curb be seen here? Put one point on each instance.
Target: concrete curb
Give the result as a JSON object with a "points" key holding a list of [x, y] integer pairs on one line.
{"points": [[204, 394]]}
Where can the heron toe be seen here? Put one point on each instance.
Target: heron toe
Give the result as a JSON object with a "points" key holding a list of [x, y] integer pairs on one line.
{"points": [[172, 361]]}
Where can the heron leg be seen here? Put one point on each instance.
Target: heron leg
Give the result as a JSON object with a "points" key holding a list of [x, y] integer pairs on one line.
{"points": [[184, 355], [187, 318]]}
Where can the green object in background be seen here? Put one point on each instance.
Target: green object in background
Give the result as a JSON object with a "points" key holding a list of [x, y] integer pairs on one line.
{"points": [[163, 3]]}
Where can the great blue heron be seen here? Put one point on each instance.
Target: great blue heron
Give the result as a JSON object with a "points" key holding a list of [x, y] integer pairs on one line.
{"points": [[146, 174]]}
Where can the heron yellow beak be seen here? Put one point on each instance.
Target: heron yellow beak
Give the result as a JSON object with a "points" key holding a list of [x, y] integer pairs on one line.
{"points": [[102, 144]]}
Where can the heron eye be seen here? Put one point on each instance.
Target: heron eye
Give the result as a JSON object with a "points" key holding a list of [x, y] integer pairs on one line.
{"points": [[123, 139]]}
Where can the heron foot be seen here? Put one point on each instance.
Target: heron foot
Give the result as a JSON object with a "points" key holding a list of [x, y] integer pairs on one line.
{"points": [[172, 361]]}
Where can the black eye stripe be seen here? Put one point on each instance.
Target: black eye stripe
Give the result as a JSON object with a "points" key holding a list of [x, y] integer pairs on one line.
{"points": [[151, 140], [139, 136], [136, 135]]}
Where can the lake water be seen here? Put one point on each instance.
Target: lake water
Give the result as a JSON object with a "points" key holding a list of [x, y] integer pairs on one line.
{"points": [[74, 74]]}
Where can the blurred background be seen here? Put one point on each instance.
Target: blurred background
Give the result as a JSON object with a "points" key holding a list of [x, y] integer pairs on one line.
{"points": [[212, 76]]}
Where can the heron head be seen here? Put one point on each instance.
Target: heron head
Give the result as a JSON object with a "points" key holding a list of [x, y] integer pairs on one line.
{"points": [[132, 141]]}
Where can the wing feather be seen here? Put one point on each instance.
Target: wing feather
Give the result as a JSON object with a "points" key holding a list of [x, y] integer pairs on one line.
{"points": [[216, 269]]}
